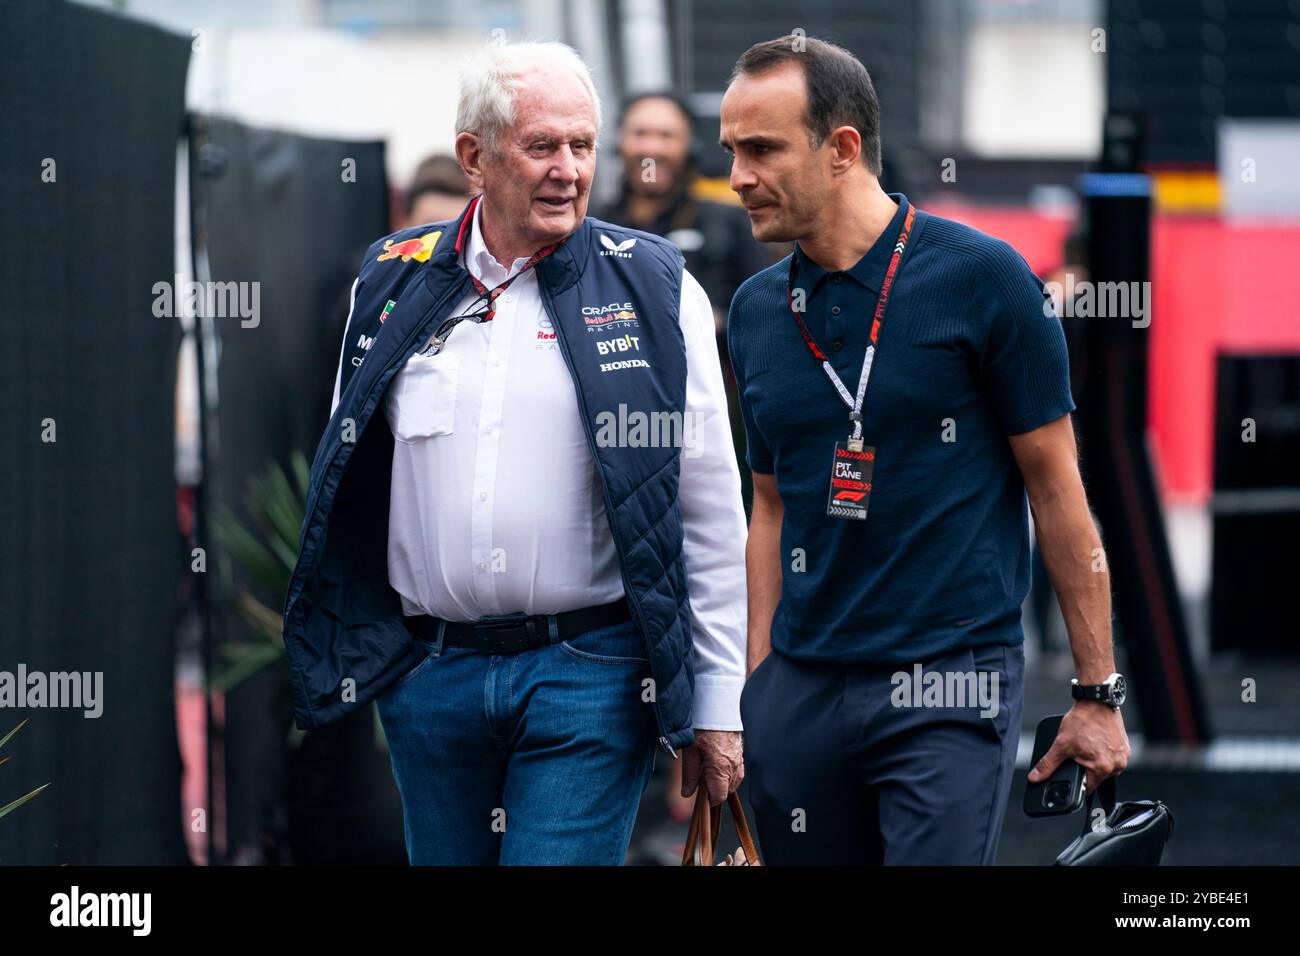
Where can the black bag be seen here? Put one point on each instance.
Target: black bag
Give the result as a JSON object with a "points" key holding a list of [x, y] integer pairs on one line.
{"points": [[1134, 833]]}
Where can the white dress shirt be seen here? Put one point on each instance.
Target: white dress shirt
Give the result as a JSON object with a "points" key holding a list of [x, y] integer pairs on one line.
{"points": [[496, 503]]}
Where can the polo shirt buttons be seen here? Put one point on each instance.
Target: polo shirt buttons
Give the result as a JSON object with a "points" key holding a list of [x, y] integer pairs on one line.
{"points": [[835, 310], [837, 345], [837, 277]]}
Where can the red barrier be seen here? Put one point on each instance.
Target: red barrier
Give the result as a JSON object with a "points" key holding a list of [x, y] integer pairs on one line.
{"points": [[1216, 287]]}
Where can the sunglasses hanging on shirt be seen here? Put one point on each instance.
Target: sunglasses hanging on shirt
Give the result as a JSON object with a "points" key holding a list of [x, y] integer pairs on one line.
{"points": [[484, 308]]}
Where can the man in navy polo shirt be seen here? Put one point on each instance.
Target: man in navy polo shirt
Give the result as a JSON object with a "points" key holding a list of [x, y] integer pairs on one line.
{"points": [[903, 387]]}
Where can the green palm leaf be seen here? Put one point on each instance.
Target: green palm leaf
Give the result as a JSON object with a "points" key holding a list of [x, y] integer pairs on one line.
{"points": [[267, 552], [10, 807]]}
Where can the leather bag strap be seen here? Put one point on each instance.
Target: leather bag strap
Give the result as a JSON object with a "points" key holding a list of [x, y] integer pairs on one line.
{"points": [[1105, 796], [702, 836]]}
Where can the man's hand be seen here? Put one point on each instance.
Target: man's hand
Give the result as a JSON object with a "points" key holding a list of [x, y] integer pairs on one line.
{"points": [[718, 757], [1092, 734]]}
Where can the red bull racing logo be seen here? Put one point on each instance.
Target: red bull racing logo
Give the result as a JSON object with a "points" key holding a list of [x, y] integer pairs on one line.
{"points": [[598, 318], [418, 249]]}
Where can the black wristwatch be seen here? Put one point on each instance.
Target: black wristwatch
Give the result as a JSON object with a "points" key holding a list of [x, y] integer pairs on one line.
{"points": [[1112, 691]]}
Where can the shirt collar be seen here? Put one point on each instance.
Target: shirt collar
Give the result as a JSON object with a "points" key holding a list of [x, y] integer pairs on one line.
{"points": [[867, 271], [481, 263]]}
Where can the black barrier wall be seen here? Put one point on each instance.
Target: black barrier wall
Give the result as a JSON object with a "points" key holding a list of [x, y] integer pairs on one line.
{"points": [[93, 105], [291, 217], [1256, 504]]}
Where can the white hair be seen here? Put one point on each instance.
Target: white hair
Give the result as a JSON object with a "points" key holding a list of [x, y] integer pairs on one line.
{"points": [[493, 75]]}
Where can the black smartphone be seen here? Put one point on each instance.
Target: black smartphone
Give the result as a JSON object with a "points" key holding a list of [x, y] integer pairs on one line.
{"points": [[1062, 792]]}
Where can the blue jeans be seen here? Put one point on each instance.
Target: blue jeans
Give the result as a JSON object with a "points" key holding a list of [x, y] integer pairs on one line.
{"points": [[539, 757]]}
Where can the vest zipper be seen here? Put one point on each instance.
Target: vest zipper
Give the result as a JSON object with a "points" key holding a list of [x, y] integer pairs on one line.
{"points": [[609, 505]]}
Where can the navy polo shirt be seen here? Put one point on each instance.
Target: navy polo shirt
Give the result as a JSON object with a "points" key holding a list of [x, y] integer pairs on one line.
{"points": [[966, 357]]}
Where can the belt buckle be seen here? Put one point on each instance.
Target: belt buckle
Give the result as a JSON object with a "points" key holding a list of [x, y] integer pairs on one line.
{"points": [[508, 634]]}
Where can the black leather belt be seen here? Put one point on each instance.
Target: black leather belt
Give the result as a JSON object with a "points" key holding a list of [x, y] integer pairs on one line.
{"points": [[513, 633]]}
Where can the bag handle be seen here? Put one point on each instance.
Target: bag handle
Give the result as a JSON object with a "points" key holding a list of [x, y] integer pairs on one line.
{"points": [[706, 820], [1105, 795]]}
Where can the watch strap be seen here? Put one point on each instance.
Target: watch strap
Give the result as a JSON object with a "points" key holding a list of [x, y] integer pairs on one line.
{"points": [[1102, 693]]}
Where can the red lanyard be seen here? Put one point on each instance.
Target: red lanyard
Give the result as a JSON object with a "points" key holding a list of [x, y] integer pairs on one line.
{"points": [[482, 290], [439, 338], [854, 402]]}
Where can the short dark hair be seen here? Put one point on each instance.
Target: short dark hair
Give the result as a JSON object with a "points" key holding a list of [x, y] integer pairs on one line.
{"points": [[440, 175], [840, 92], [672, 97]]}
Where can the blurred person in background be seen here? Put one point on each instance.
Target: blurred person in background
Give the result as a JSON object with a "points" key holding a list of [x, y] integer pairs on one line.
{"points": [[503, 569], [962, 415], [657, 146], [439, 190]]}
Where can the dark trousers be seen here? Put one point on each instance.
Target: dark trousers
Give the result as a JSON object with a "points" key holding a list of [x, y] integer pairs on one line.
{"points": [[848, 764]]}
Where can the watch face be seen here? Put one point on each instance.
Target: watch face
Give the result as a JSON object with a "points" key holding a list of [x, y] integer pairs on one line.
{"points": [[1119, 690]]}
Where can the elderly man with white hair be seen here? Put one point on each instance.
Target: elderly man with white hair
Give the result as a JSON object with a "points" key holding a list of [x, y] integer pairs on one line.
{"points": [[524, 535]]}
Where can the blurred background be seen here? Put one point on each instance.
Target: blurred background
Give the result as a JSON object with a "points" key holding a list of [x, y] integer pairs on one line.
{"points": [[155, 447]]}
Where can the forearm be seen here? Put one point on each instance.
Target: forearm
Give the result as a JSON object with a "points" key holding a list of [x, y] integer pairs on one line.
{"points": [[763, 578], [1076, 565], [713, 542]]}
